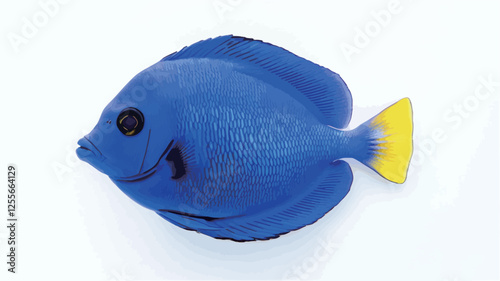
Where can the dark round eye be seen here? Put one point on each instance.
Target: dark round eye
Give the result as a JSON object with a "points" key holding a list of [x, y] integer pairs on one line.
{"points": [[130, 121]]}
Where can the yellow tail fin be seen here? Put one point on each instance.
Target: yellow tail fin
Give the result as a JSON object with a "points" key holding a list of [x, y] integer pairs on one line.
{"points": [[390, 141]]}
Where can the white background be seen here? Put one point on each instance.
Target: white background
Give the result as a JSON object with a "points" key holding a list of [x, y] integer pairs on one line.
{"points": [[74, 224]]}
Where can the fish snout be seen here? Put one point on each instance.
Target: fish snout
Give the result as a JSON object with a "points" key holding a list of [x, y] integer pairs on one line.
{"points": [[87, 149]]}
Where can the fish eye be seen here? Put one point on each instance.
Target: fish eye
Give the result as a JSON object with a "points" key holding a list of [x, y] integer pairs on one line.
{"points": [[130, 121]]}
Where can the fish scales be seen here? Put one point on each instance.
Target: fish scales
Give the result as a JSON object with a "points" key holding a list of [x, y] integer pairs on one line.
{"points": [[290, 123]]}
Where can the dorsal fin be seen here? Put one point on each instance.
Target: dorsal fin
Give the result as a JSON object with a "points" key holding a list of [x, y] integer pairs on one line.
{"points": [[320, 90]]}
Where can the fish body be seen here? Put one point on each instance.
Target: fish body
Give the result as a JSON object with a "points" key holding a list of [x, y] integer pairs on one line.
{"points": [[239, 139]]}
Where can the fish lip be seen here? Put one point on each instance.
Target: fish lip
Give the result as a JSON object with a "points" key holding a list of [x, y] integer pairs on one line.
{"points": [[87, 149]]}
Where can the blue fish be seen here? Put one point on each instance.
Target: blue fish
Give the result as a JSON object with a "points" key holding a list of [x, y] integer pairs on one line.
{"points": [[239, 139]]}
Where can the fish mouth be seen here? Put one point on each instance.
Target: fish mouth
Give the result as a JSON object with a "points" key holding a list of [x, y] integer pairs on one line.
{"points": [[148, 173], [87, 149]]}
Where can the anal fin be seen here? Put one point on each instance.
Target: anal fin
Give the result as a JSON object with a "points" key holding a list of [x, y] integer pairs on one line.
{"points": [[325, 193]]}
